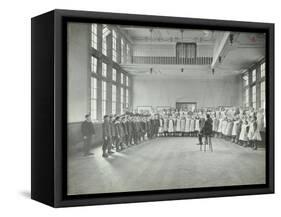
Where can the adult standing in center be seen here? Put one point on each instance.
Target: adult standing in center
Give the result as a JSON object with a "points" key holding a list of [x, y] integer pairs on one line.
{"points": [[201, 126], [207, 131]]}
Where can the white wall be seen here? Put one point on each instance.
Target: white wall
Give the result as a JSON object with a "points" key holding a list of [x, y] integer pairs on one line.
{"points": [[15, 110], [78, 72], [155, 50], [225, 91], [168, 50], [205, 50]]}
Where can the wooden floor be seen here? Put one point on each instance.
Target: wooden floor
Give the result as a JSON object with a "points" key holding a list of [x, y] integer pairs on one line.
{"points": [[166, 163]]}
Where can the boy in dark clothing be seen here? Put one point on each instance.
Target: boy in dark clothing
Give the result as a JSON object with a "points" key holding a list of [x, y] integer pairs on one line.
{"points": [[119, 135], [106, 132], [129, 129]]}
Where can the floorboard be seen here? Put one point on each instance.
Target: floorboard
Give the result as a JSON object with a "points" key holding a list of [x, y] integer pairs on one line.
{"points": [[166, 163]]}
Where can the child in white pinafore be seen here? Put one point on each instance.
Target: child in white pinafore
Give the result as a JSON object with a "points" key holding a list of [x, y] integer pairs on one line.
{"points": [[234, 129], [178, 128], [171, 126], [251, 132], [256, 136], [165, 127], [192, 126], [229, 129], [182, 125], [161, 127], [187, 126], [224, 128], [243, 138], [220, 127], [197, 127]]}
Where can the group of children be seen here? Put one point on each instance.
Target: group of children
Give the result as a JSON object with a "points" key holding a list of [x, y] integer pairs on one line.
{"points": [[121, 132], [246, 128], [176, 125]]}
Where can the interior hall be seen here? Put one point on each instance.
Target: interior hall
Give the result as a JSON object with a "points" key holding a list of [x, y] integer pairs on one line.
{"points": [[170, 72]]}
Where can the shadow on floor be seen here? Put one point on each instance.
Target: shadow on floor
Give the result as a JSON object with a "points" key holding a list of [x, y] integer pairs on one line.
{"points": [[25, 194]]}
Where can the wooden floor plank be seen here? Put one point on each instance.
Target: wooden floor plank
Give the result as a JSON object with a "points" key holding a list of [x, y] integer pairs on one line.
{"points": [[166, 163]]}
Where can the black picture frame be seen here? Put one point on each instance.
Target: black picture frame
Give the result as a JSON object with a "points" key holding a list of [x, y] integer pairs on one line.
{"points": [[49, 104]]}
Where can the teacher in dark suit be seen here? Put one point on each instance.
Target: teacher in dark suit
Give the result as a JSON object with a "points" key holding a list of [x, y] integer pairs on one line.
{"points": [[207, 132], [87, 129], [201, 126]]}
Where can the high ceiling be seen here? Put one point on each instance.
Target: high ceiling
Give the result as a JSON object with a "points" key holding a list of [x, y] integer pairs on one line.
{"points": [[160, 35], [235, 54]]}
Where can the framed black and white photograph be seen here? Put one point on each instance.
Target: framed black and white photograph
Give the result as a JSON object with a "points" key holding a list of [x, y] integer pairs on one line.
{"points": [[147, 108]]}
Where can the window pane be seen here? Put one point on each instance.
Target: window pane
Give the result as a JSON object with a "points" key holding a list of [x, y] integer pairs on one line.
{"points": [[246, 97], [103, 108], [254, 99], [94, 36], [128, 53], [122, 50], [262, 94], [254, 75], [114, 45], [127, 96], [113, 108], [103, 98], [122, 100], [94, 98], [114, 93], [104, 69], [262, 70], [121, 78], [113, 74], [113, 99], [94, 109], [103, 90], [127, 81], [94, 64], [105, 34]]}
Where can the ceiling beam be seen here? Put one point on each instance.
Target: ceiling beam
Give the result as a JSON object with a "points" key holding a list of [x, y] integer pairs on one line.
{"points": [[220, 44]]}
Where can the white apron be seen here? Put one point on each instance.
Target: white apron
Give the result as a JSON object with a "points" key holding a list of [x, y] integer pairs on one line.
{"points": [[187, 125], [171, 126], [243, 134]]}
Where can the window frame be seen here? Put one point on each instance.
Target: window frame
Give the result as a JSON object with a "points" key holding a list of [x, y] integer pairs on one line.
{"points": [[104, 70], [94, 64], [94, 36], [114, 45], [94, 97], [103, 97], [114, 99]]}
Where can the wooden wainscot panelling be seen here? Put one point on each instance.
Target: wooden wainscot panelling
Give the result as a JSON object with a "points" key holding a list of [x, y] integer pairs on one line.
{"points": [[75, 140]]}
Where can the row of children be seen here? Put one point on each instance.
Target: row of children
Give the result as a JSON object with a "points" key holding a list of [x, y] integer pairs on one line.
{"points": [[246, 128], [120, 132], [173, 125]]}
